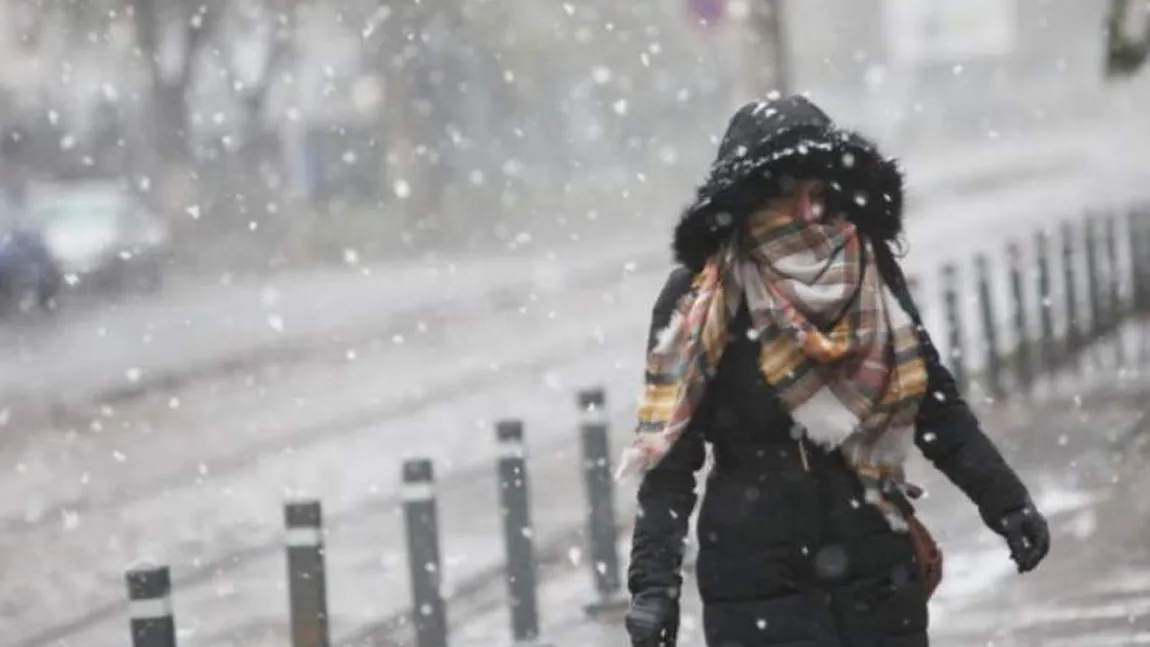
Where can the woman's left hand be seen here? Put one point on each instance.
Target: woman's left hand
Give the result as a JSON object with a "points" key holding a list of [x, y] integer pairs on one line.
{"points": [[1027, 535]]}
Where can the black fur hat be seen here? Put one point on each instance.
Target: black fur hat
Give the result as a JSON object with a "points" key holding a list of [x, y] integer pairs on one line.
{"points": [[767, 145]]}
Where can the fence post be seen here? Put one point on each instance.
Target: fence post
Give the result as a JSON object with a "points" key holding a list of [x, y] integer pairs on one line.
{"points": [[1142, 236], [952, 306], [150, 607], [1113, 299], [915, 288], [1072, 326], [428, 615], [601, 523], [1045, 300], [517, 532], [989, 328], [1134, 248], [1138, 260], [1093, 278], [307, 579], [1022, 351]]}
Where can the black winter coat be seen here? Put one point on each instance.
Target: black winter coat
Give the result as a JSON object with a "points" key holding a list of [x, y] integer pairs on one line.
{"points": [[789, 554]]}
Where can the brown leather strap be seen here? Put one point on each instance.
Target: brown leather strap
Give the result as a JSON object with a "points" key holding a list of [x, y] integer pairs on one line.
{"points": [[927, 554]]}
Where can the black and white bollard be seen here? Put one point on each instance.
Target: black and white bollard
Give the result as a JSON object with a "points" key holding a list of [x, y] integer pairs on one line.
{"points": [[1024, 369], [307, 579], [1093, 279], [601, 523], [518, 533], [1045, 302], [1070, 280], [428, 612], [994, 386], [150, 607], [952, 306]]}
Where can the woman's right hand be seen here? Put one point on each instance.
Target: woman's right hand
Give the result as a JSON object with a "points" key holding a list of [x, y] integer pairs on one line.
{"points": [[653, 619]]}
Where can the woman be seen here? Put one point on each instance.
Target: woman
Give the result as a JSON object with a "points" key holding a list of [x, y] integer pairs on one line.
{"points": [[787, 340]]}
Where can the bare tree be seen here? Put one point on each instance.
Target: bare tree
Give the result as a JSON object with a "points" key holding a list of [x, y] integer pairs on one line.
{"points": [[766, 65], [414, 47], [261, 47], [1127, 37], [170, 35]]}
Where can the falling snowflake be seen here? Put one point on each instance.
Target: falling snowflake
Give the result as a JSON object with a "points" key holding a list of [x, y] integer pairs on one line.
{"points": [[402, 189]]}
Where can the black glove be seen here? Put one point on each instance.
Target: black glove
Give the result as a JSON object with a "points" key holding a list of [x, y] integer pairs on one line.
{"points": [[1027, 535], [653, 619]]}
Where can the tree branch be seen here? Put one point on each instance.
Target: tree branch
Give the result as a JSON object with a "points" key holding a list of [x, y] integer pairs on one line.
{"points": [[1124, 54]]}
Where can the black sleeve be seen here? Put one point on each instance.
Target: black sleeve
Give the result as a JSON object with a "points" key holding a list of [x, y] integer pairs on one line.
{"points": [[947, 431], [667, 492], [949, 435]]}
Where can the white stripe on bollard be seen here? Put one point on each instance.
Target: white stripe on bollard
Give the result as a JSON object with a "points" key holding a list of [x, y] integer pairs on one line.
{"points": [[593, 416], [303, 537], [510, 449], [416, 492], [150, 609]]}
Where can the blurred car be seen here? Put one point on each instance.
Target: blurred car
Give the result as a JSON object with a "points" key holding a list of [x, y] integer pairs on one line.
{"points": [[99, 235], [29, 277]]}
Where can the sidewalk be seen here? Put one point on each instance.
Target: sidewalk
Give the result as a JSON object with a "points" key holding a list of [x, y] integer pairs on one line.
{"points": [[1094, 589]]}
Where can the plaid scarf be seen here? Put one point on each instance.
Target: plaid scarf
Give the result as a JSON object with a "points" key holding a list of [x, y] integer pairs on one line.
{"points": [[841, 354]]}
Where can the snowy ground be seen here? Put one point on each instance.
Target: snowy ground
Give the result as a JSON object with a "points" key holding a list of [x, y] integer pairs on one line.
{"points": [[182, 424]]}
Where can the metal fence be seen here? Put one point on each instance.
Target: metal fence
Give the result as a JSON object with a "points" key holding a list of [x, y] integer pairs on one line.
{"points": [[1092, 245], [1092, 304]]}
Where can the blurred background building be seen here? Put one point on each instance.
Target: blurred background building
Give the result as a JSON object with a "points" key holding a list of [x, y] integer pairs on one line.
{"points": [[294, 128]]}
